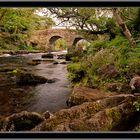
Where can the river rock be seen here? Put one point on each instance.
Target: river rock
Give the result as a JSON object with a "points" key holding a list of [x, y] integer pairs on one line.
{"points": [[61, 56], [48, 55], [47, 115], [22, 121], [63, 62], [33, 63], [51, 80], [69, 57], [36, 60], [100, 115], [7, 69], [85, 94], [55, 62], [26, 78]]}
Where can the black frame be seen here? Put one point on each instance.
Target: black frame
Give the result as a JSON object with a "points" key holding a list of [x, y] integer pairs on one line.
{"points": [[73, 3]]}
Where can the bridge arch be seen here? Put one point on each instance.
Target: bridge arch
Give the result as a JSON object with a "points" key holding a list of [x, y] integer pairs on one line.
{"points": [[46, 39], [52, 41], [76, 40]]}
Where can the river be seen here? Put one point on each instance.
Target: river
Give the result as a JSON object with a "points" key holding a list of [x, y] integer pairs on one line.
{"points": [[40, 98]]}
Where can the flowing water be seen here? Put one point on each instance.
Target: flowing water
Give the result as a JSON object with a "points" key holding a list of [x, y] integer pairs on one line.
{"points": [[39, 98]]}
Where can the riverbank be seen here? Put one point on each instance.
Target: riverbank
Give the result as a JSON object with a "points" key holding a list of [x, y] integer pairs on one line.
{"points": [[101, 111], [53, 106], [11, 52]]}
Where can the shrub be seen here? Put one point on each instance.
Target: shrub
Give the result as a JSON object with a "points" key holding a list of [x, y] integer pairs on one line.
{"points": [[76, 72], [96, 46]]}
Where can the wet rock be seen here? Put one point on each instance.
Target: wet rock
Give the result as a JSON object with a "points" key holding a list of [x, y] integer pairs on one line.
{"points": [[51, 80], [33, 63], [84, 94], [61, 56], [100, 115], [135, 84], [47, 115], [6, 69], [55, 62], [22, 121], [64, 62], [48, 55], [36, 60], [26, 78], [68, 57]]}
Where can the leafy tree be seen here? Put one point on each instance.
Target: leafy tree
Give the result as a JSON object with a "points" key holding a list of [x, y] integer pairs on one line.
{"points": [[123, 26], [19, 22], [90, 20]]}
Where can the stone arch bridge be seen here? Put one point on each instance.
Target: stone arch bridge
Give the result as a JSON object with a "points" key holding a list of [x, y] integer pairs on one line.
{"points": [[45, 39]]}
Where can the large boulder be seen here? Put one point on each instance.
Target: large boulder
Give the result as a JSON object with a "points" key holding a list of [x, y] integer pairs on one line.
{"points": [[61, 56], [48, 55], [85, 94], [106, 114], [27, 78], [55, 62], [22, 121]]}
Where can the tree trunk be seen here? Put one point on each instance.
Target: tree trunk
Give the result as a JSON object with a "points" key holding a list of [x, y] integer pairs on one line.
{"points": [[123, 27]]}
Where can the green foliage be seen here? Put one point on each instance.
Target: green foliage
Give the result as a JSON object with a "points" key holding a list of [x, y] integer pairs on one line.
{"points": [[17, 23], [113, 28], [96, 46], [15, 20], [136, 106], [104, 53], [75, 59], [76, 72], [132, 19], [60, 44], [118, 41]]}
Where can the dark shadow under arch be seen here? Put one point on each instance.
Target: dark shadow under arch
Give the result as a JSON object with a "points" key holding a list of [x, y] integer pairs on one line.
{"points": [[76, 40], [52, 41]]}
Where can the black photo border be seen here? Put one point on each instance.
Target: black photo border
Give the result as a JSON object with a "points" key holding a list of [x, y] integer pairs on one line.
{"points": [[83, 3]]}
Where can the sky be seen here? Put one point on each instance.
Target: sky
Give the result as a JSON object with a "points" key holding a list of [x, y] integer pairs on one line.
{"points": [[60, 26]]}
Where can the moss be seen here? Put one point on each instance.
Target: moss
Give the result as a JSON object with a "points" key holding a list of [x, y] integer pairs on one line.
{"points": [[115, 115], [26, 123], [91, 109], [51, 123]]}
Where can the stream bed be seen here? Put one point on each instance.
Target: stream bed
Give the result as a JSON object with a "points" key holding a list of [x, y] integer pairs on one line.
{"points": [[39, 98]]}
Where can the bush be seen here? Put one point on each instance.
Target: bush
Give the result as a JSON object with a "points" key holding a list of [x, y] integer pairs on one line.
{"points": [[118, 41], [96, 46], [122, 57], [76, 72]]}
